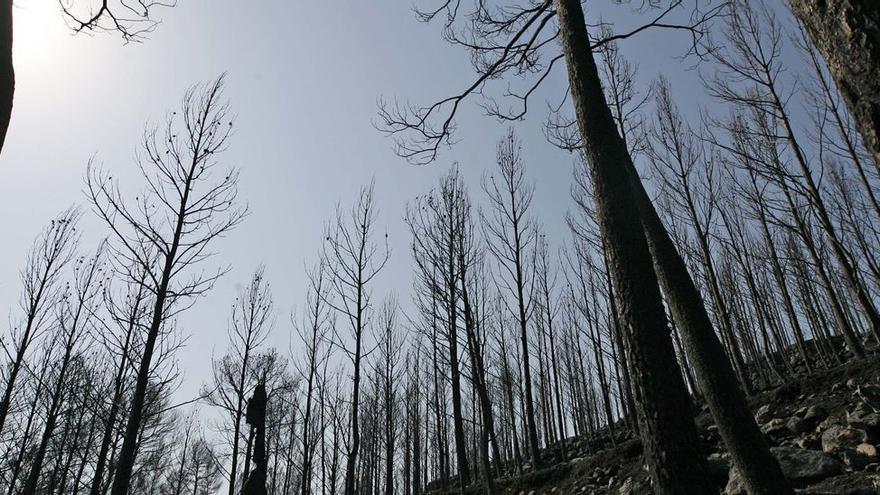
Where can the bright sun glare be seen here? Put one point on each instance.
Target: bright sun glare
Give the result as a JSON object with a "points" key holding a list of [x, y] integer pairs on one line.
{"points": [[38, 28]]}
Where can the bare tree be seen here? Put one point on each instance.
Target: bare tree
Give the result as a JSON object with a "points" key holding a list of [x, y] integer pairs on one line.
{"points": [[234, 377], [317, 325], [51, 252], [184, 208], [511, 236], [353, 259], [690, 179], [76, 312]]}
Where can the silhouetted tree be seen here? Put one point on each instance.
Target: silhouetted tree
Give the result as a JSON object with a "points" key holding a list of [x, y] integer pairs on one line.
{"points": [[183, 209]]}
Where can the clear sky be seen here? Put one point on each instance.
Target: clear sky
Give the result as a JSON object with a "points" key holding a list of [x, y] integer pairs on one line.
{"points": [[303, 78]]}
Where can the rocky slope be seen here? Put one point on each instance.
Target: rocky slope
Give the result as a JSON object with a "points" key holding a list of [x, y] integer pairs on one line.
{"points": [[824, 429]]}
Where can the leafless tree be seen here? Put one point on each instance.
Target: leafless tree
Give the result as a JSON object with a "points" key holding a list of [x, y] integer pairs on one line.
{"points": [[51, 252], [313, 332], [186, 205], [353, 259], [234, 373], [511, 236]]}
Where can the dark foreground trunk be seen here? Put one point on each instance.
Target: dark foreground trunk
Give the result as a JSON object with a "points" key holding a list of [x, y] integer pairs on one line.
{"points": [[668, 432], [7, 72], [847, 33]]}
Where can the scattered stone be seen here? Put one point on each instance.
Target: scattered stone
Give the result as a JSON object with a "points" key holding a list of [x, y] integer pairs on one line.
{"points": [[776, 430], [799, 425], [816, 413], [839, 437], [810, 442], [867, 449], [864, 418]]}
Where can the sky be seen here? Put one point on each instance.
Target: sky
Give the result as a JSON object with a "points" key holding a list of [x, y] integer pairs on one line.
{"points": [[303, 80]]}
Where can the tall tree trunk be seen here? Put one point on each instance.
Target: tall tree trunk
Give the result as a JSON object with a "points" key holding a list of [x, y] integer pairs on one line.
{"points": [[714, 374], [668, 432], [847, 33]]}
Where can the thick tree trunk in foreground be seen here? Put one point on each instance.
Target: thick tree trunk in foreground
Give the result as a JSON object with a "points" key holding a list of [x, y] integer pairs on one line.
{"points": [[7, 71], [714, 373], [847, 33], [668, 432]]}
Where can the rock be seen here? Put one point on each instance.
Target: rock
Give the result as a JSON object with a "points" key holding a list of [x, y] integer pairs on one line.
{"points": [[867, 449], [763, 414], [809, 441], [798, 465], [805, 465], [775, 430], [806, 419], [838, 438], [864, 418]]}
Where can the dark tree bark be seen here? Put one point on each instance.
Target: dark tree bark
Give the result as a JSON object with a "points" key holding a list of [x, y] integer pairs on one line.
{"points": [[7, 71], [668, 432], [847, 33]]}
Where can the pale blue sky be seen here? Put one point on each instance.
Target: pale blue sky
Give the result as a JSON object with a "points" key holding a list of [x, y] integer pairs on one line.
{"points": [[303, 78]]}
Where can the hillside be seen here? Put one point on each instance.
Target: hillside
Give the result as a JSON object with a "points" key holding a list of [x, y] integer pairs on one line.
{"points": [[824, 429]]}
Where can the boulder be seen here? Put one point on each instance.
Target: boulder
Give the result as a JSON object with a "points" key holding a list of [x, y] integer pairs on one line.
{"points": [[809, 441], [805, 465], [776, 430], [800, 466], [799, 425], [838, 438]]}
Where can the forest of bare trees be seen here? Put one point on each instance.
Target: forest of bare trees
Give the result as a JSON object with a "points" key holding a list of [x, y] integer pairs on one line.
{"points": [[707, 259]]}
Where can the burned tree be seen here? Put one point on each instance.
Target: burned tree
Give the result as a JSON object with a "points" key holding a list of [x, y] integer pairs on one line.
{"points": [[511, 236], [184, 208], [513, 39], [353, 260], [847, 32], [234, 373], [51, 252]]}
